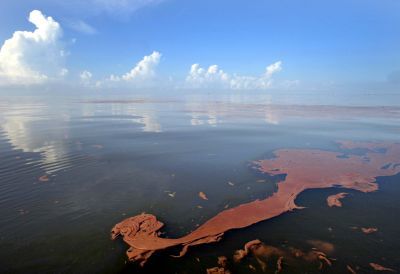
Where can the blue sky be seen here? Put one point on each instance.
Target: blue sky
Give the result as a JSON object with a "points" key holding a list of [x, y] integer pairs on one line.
{"points": [[319, 44]]}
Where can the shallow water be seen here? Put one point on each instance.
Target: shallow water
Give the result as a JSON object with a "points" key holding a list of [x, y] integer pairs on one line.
{"points": [[71, 167]]}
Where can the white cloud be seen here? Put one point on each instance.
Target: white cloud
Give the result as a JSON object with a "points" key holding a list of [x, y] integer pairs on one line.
{"points": [[82, 26], [200, 77], [86, 75], [86, 78], [213, 77], [144, 69], [271, 69], [33, 57]]}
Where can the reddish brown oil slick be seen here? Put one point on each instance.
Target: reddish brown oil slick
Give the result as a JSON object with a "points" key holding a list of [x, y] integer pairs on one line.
{"points": [[323, 246], [279, 265], [222, 261], [369, 230], [261, 253], [304, 169], [202, 195], [264, 253], [44, 178], [351, 270], [217, 270], [334, 200], [221, 268], [241, 253], [379, 267]]}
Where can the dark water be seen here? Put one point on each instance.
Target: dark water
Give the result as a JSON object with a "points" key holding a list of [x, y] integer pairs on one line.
{"points": [[110, 157]]}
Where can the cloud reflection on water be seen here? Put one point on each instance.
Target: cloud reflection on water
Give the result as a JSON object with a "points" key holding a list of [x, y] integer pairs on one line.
{"points": [[46, 128], [29, 128]]}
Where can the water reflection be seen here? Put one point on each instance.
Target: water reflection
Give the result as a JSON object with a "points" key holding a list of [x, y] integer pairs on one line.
{"points": [[51, 130], [29, 128], [207, 119], [136, 111], [271, 117], [213, 111], [108, 159], [45, 128]]}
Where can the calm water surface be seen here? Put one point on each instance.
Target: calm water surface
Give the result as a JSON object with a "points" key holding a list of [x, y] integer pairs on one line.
{"points": [[72, 167]]}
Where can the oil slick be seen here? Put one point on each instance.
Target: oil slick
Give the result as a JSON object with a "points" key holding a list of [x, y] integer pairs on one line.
{"points": [[304, 169], [281, 257], [335, 200]]}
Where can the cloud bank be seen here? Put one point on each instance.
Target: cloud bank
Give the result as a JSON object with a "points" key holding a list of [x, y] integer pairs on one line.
{"points": [[213, 77], [38, 57], [33, 57]]}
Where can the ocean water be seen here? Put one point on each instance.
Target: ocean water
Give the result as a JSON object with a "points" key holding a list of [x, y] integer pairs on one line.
{"points": [[73, 166]]}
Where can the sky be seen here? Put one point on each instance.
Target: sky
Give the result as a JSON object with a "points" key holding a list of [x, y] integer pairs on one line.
{"points": [[209, 45]]}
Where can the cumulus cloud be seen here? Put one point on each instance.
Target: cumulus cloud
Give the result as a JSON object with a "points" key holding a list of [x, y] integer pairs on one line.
{"points": [[144, 69], [201, 77], [33, 57], [86, 78], [86, 75], [271, 69], [213, 77]]}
